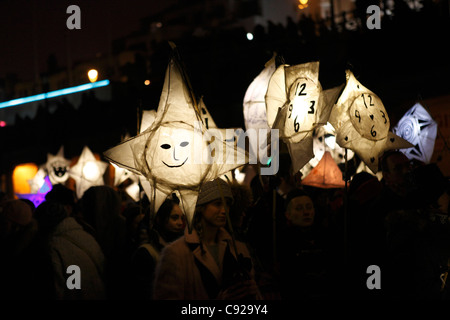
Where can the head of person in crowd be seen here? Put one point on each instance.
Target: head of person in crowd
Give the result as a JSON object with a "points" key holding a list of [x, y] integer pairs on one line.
{"points": [[170, 221], [364, 187], [16, 215], [300, 211], [396, 169], [211, 211], [101, 208], [49, 214], [63, 195]]}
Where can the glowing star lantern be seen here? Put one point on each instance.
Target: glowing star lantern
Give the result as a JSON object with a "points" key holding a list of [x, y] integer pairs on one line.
{"points": [[57, 167], [362, 123], [296, 105], [255, 106], [325, 175], [87, 172], [148, 117], [418, 127], [176, 153]]}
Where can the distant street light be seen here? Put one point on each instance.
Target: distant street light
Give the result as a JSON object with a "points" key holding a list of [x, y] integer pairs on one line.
{"points": [[93, 75], [250, 36]]}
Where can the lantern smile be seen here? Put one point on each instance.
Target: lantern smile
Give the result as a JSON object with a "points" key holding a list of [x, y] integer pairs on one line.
{"points": [[176, 166]]}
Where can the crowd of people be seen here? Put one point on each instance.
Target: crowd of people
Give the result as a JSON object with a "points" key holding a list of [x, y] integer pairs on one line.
{"points": [[274, 239]]}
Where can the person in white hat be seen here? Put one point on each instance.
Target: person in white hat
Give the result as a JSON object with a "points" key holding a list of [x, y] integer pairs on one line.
{"points": [[206, 263]]}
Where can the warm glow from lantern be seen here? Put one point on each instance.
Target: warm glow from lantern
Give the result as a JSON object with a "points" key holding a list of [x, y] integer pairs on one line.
{"points": [[21, 174], [303, 4], [91, 171], [93, 75], [147, 82], [330, 141], [2, 124]]}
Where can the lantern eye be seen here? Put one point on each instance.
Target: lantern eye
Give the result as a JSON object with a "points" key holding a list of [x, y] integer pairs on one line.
{"points": [[165, 146], [184, 144]]}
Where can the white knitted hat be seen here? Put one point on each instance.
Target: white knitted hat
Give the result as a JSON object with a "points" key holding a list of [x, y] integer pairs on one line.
{"points": [[210, 191]]}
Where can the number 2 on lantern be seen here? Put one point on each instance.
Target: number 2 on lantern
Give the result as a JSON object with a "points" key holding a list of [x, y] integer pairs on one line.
{"points": [[370, 102], [303, 87]]}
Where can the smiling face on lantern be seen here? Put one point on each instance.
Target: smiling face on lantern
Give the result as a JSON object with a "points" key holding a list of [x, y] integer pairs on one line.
{"points": [[171, 155], [57, 170], [177, 152]]}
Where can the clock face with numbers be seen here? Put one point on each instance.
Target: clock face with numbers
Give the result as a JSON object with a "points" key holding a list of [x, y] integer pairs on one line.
{"points": [[304, 97], [369, 117], [362, 124]]}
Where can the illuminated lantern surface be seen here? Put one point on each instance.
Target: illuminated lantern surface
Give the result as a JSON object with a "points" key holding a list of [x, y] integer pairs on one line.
{"points": [[325, 175], [362, 123], [296, 106], [87, 172], [175, 153], [417, 127], [57, 167], [38, 181], [148, 116], [21, 176], [255, 106]]}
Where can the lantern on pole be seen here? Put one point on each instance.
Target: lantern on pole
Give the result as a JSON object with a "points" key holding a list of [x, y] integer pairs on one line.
{"points": [[418, 127], [325, 175], [296, 106], [176, 153], [362, 123], [57, 167], [255, 107], [87, 172]]}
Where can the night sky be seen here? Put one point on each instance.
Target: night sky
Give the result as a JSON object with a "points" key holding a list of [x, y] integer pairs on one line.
{"points": [[31, 30]]}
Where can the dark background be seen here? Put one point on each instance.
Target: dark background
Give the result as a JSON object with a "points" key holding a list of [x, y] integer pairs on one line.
{"points": [[407, 60]]}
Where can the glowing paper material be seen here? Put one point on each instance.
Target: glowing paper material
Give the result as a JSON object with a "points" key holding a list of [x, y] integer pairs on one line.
{"points": [[255, 107], [38, 181], [417, 127], [176, 153], [325, 175], [296, 105], [87, 172], [362, 123], [57, 167]]}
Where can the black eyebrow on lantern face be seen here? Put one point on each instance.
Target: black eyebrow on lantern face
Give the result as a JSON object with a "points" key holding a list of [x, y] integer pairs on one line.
{"points": [[165, 146], [184, 144]]}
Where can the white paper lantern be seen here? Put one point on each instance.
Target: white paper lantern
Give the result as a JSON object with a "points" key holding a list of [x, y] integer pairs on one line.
{"points": [[57, 167], [255, 108], [417, 127], [175, 153], [296, 106], [362, 123], [87, 172], [38, 180]]}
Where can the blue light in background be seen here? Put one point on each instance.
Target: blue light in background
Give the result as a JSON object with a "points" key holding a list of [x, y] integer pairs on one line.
{"points": [[53, 94]]}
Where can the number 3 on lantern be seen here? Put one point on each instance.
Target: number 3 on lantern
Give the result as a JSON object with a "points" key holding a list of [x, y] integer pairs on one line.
{"points": [[311, 107]]}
